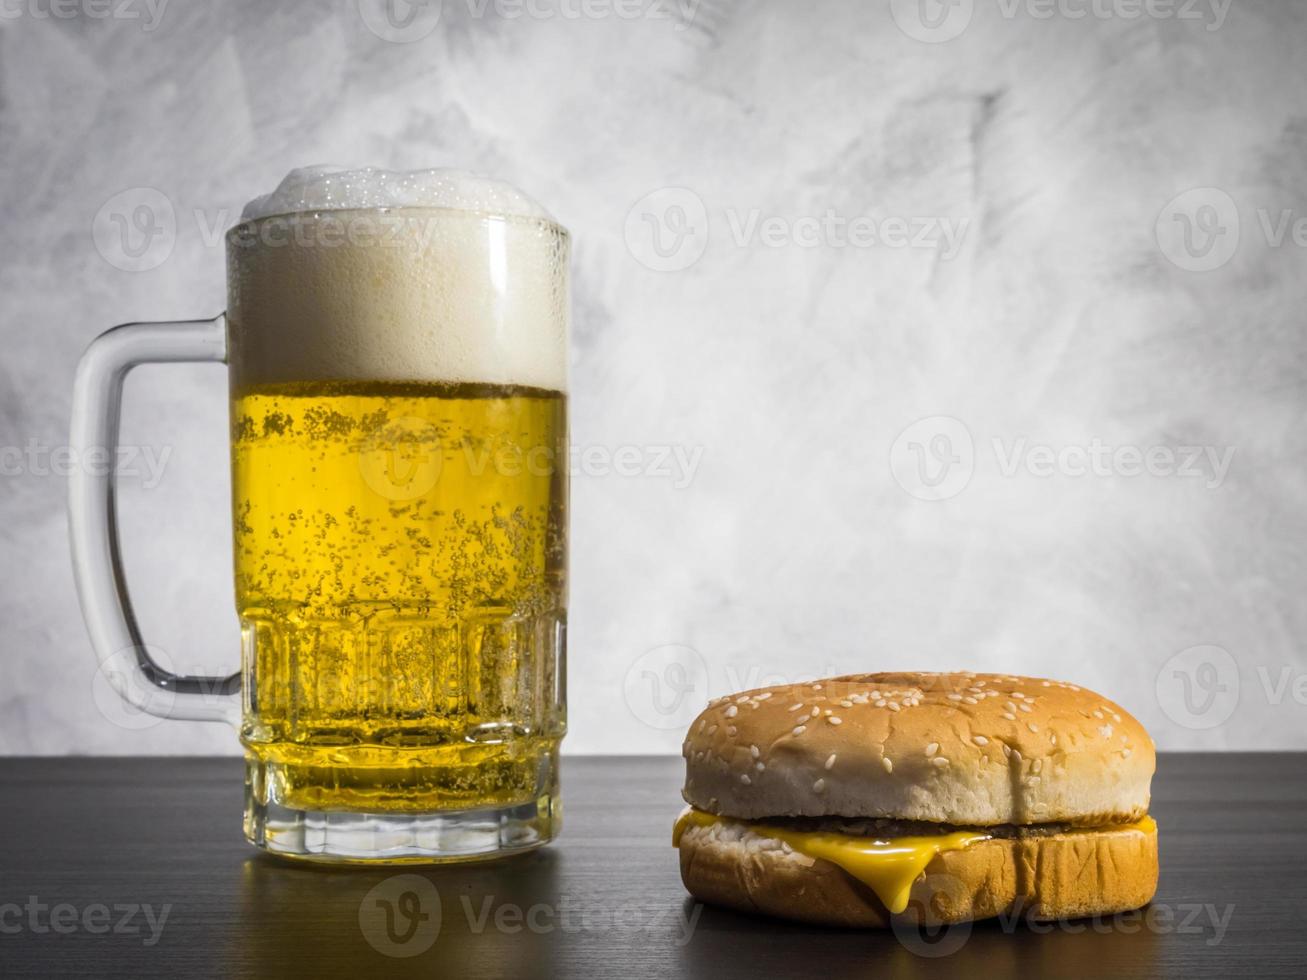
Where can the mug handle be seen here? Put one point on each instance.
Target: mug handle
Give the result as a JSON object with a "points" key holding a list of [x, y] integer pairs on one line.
{"points": [[125, 659]]}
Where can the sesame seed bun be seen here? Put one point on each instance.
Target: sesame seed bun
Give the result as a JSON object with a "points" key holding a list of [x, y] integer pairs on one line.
{"points": [[965, 749], [1061, 876]]}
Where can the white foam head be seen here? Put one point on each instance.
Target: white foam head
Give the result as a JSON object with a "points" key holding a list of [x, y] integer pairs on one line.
{"points": [[431, 275], [331, 188]]}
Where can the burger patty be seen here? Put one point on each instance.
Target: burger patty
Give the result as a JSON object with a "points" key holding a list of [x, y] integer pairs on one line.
{"points": [[879, 828]]}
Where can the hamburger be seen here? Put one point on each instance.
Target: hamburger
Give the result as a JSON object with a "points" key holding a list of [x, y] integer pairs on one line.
{"points": [[940, 798]]}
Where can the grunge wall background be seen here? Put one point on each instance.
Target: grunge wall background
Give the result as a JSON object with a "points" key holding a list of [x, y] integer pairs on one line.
{"points": [[905, 335]]}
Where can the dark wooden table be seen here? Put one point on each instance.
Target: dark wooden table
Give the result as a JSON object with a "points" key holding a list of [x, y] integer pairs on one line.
{"points": [[136, 868]]}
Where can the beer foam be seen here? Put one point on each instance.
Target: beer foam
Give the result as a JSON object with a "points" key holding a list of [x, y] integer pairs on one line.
{"points": [[330, 188], [427, 276]]}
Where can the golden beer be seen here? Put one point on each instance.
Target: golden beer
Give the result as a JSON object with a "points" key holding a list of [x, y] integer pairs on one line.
{"points": [[399, 489], [400, 556]]}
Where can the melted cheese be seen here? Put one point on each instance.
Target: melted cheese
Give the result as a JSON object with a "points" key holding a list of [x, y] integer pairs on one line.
{"points": [[888, 867]]}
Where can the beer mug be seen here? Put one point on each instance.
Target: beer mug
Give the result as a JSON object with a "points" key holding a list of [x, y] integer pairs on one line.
{"points": [[396, 347]]}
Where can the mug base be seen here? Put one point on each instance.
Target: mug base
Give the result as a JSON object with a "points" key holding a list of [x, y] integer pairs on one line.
{"points": [[379, 838]]}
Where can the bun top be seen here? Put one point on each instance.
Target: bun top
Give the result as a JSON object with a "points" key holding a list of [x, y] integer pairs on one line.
{"points": [[961, 748]]}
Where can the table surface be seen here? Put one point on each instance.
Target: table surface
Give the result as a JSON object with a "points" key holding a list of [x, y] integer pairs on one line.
{"points": [[136, 868]]}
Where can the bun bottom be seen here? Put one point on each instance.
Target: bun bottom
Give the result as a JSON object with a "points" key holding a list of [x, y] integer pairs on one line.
{"points": [[1057, 877]]}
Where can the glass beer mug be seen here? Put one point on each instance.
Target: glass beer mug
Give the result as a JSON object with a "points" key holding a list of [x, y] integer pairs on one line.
{"points": [[397, 353]]}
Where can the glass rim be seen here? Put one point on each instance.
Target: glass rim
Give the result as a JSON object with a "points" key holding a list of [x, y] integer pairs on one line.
{"points": [[547, 222]]}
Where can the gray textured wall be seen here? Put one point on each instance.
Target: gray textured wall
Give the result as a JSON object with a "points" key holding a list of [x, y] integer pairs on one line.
{"points": [[933, 310]]}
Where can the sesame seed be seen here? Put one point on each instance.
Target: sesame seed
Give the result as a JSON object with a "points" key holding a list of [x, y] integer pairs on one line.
{"points": [[815, 711], [1105, 731], [980, 740], [702, 722], [880, 704], [1032, 780], [732, 731], [1007, 750], [1009, 716], [760, 766], [1032, 726], [816, 687], [799, 729], [1037, 765], [970, 701], [1097, 713], [744, 778], [955, 697], [712, 730], [1045, 684], [795, 707], [939, 760], [931, 749], [835, 720], [742, 698], [1025, 707], [830, 761], [1016, 754], [754, 751], [892, 705], [764, 695], [846, 704], [819, 786], [1008, 705], [1018, 695], [732, 711], [1125, 753], [885, 761]]}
